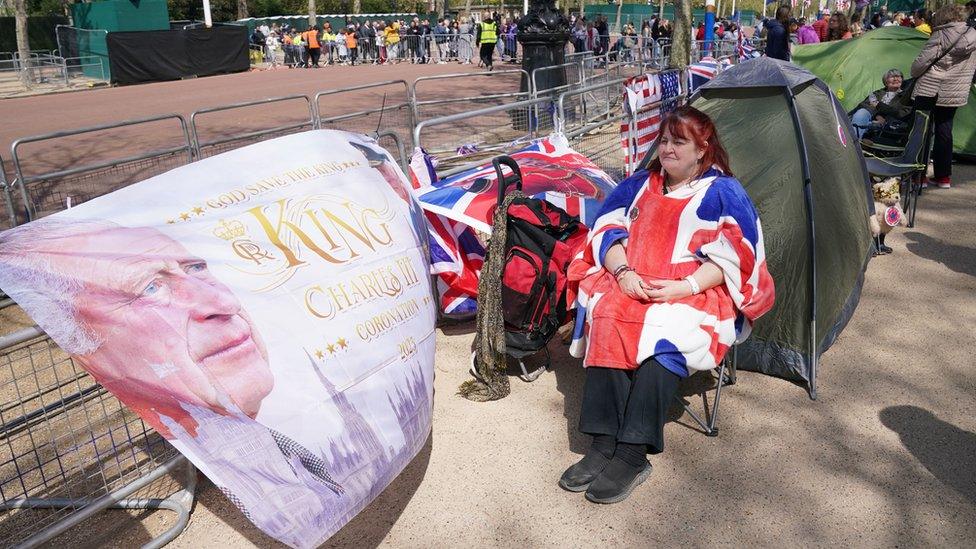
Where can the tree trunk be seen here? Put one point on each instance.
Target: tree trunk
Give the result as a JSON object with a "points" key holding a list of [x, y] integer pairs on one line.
{"points": [[620, 7], [311, 13], [467, 11], [439, 7], [23, 46], [681, 36], [241, 9], [357, 6]]}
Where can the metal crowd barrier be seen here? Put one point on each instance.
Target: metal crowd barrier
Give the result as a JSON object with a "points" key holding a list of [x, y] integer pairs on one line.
{"points": [[8, 200], [233, 136], [46, 192], [487, 131], [389, 108], [573, 74], [69, 449], [458, 92], [595, 131]]}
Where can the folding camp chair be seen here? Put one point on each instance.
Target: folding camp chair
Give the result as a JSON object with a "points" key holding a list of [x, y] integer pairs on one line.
{"points": [[726, 376], [909, 166]]}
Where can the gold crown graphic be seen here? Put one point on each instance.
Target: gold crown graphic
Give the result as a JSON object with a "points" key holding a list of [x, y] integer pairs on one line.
{"points": [[229, 231]]}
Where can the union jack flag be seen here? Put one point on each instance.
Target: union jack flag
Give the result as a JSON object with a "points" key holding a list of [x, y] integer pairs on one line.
{"points": [[460, 206], [703, 71]]}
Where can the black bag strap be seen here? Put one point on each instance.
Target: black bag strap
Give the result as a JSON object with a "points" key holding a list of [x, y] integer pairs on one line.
{"points": [[504, 181]]}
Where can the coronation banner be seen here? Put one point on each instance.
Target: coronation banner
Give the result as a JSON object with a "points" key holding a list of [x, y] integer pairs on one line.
{"points": [[267, 310]]}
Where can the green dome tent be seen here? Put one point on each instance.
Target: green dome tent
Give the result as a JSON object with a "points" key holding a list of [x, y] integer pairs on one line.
{"points": [[791, 146], [854, 68]]}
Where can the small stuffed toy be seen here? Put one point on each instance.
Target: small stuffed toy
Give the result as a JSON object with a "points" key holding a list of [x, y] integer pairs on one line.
{"points": [[888, 212]]}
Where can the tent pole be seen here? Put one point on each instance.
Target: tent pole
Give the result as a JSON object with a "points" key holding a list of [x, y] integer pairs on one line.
{"points": [[811, 239]]}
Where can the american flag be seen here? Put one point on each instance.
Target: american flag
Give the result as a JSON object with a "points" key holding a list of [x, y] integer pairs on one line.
{"points": [[458, 206], [647, 98]]}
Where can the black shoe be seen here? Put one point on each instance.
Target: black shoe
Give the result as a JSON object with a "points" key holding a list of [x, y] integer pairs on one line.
{"points": [[580, 474], [885, 249], [617, 481]]}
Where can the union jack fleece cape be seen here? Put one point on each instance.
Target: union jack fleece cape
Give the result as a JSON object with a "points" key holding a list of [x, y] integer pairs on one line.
{"points": [[668, 236]]}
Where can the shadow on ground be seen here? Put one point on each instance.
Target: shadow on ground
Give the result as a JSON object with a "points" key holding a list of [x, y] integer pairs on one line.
{"points": [[961, 259], [948, 452]]}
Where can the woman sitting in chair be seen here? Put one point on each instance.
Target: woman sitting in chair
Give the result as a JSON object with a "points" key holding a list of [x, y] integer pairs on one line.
{"points": [[672, 276], [881, 106]]}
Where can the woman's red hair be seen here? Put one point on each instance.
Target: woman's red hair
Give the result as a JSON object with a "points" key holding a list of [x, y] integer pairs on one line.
{"points": [[690, 123]]}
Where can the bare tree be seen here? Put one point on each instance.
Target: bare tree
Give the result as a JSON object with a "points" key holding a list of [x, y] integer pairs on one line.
{"points": [[582, 7], [311, 13], [467, 11], [23, 46], [241, 9], [357, 6], [681, 35], [620, 7]]}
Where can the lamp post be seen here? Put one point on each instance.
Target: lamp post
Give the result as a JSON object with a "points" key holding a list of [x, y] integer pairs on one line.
{"points": [[543, 33]]}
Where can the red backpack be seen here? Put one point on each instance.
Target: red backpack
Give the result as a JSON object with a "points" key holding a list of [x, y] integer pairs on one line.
{"points": [[541, 242]]}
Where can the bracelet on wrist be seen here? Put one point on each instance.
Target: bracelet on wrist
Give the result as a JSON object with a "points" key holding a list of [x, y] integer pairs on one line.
{"points": [[695, 288], [619, 271]]}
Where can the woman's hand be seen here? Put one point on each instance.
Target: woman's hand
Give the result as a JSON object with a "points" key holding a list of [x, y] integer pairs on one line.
{"points": [[661, 291], [633, 286]]}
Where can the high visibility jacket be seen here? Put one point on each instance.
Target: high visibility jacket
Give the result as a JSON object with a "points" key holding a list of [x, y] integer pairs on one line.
{"points": [[489, 32], [312, 37]]}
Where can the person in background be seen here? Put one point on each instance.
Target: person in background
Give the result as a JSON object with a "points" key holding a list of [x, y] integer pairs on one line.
{"points": [[579, 36], [271, 44], [426, 35], [889, 102], [440, 40], [821, 25], [299, 44], [943, 81], [486, 39], [922, 18], [352, 44], [806, 34], [838, 28], [342, 52], [311, 37], [856, 28], [392, 37], [289, 49], [777, 34], [381, 42], [328, 43], [603, 28]]}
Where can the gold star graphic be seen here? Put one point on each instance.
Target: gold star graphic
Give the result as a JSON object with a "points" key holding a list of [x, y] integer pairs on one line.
{"points": [[184, 216], [198, 210], [319, 353], [342, 343], [331, 349]]}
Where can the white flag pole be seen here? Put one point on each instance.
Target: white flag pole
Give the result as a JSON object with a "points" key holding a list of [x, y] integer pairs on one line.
{"points": [[207, 20]]}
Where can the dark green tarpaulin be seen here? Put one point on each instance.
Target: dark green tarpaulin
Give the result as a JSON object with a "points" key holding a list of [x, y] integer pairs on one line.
{"points": [[854, 68]]}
